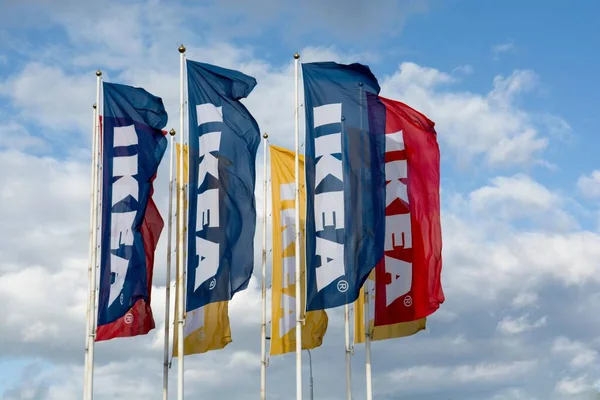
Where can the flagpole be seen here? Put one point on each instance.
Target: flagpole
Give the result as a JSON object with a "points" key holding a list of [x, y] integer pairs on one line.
{"points": [[90, 305], [94, 255], [180, 239], [168, 273], [368, 343], [297, 243], [348, 355], [263, 330]]}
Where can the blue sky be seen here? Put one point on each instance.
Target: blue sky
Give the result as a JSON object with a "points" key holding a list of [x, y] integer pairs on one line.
{"points": [[513, 88]]}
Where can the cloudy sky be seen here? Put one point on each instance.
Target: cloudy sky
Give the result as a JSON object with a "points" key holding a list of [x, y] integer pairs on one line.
{"points": [[514, 91]]}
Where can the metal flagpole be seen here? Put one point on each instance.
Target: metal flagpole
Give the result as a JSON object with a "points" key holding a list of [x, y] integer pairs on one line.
{"points": [[181, 238], [263, 329], [311, 374], [297, 250], [368, 343], [168, 281], [90, 305], [348, 351], [94, 261]]}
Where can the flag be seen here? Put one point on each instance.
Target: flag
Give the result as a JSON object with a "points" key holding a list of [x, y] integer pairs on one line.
{"points": [[224, 139], [206, 328], [408, 283], [383, 332], [283, 304], [345, 183], [133, 145]]}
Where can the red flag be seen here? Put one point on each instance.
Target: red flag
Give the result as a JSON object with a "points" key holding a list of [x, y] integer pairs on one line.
{"points": [[408, 284]]}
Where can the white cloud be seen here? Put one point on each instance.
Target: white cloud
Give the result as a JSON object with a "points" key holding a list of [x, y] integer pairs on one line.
{"points": [[503, 48], [525, 299], [581, 354], [490, 125], [462, 374], [512, 326], [519, 197], [573, 386], [589, 185]]}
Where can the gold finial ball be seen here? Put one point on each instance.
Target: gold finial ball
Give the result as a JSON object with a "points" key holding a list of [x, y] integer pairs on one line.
{"points": [[265, 135], [172, 132], [296, 56], [182, 49], [98, 73]]}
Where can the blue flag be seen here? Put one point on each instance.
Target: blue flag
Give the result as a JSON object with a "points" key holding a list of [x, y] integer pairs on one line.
{"points": [[224, 139], [345, 183], [132, 147]]}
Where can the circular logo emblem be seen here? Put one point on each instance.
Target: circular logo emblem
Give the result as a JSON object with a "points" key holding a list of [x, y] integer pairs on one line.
{"points": [[201, 335], [342, 286], [212, 284], [128, 318], [408, 301]]}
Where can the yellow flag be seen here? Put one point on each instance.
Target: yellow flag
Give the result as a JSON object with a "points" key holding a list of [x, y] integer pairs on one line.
{"points": [[379, 332], [283, 311], [206, 328]]}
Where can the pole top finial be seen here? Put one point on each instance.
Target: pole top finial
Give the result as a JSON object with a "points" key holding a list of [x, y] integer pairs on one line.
{"points": [[296, 56], [361, 84], [98, 73], [265, 135], [172, 132], [182, 49]]}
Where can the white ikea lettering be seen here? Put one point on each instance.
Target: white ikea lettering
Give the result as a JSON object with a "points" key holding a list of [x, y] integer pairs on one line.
{"points": [[325, 147], [329, 205], [288, 271], [125, 136], [206, 113], [332, 262], [194, 320], [329, 210], [398, 232], [288, 222], [286, 191], [327, 114], [394, 171], [394, 142], [121, 228], [207, 211], [209, 164], [118, 267], [208, 263], [121, 189], [401, 282], [288, 317], [121, 233]]}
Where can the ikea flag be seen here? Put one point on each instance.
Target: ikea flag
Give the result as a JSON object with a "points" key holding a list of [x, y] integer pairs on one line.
{"points": [[132, 147], [345, 183], [223, 140]]}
